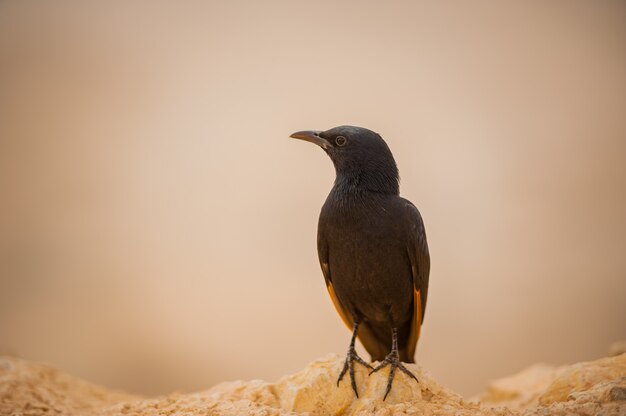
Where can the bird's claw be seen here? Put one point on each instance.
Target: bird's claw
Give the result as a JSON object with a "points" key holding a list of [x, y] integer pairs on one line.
{"points": [[395, 363], [348, 366]]}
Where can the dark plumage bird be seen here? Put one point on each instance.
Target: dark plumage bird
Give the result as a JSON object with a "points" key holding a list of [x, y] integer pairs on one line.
{"points": [[372, 249]]}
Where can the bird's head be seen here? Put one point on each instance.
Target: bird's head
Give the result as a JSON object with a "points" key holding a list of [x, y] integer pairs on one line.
{"points": [[361, 157]]}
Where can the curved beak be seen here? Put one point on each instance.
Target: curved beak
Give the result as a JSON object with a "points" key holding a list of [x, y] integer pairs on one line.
{"points": [[312, 136]]}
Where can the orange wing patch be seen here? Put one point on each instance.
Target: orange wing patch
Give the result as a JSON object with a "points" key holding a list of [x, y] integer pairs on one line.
{"points": [[345, 316], [416, 325]]}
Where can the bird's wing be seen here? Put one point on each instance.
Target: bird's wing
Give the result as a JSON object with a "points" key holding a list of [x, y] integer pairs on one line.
{"points": [[372, 344], [420, 270], [345, 315], [322, 252]]}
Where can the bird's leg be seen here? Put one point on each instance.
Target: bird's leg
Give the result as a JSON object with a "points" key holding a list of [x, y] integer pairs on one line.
{"points": [[350, 358], [393, 359]]}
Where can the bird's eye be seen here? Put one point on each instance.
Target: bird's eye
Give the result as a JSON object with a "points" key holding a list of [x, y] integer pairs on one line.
{"points": [[340, 141]]}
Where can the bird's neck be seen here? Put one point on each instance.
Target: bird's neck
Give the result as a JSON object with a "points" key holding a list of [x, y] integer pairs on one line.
{"points": [[364, 182]]}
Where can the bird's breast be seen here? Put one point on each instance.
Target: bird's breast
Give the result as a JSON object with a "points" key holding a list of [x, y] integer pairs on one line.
{"points": [[369, 264]]}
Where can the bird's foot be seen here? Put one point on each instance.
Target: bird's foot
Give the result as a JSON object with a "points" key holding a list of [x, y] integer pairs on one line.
{"points": [[393, 360], [348, 366]]}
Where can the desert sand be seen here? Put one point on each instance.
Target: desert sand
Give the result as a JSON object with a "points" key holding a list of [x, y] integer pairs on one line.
{"points": [[586, 388]]}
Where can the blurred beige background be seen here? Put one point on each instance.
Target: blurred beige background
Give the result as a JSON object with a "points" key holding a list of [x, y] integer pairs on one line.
{"points": [[157, 227]]}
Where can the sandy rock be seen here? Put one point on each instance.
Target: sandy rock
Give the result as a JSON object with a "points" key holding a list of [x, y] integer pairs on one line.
{"points": [[521, 390], [37, 389], [582, 377], [582, 388], [315, 390], [597, 387]]}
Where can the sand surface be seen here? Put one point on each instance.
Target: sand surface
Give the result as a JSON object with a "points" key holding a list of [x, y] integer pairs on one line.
{"points": [[587, 388]]}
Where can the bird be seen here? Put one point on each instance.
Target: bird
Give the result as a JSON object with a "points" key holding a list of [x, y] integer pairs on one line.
{"points": [[372, 250]]}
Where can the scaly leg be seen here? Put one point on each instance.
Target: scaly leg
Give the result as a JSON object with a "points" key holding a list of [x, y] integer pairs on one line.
{"points": [[350, 358], [393, 359]]}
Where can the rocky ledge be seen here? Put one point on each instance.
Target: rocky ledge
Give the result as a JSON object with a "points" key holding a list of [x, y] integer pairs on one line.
{"points": [[589, 388]]}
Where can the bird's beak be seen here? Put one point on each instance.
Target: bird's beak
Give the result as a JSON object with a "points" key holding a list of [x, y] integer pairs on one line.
{"points": [[312, 136]]}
